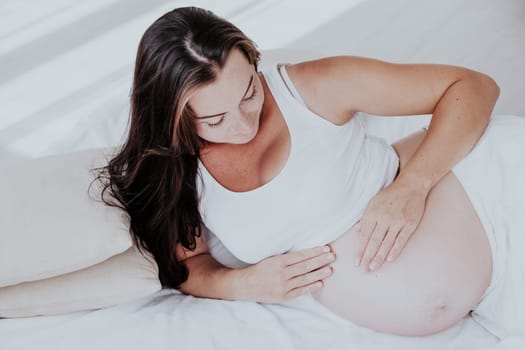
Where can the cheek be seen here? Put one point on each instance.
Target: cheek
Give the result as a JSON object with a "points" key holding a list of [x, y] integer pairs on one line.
{"points": [[209, 134], [257, 104]]}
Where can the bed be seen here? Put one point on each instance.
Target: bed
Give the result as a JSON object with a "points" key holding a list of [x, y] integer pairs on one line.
{"points": [[87, 51]]}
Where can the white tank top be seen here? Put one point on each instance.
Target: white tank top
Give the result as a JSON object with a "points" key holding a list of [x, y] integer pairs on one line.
{"points": [[331, 174]]}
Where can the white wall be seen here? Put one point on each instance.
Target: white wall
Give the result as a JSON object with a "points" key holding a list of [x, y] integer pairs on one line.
{"points": [[65, 65]]}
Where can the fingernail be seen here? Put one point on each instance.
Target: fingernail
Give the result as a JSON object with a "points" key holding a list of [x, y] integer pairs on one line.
{"points": [[326, 249], [372, 266], [389, 258], [356, 262]]}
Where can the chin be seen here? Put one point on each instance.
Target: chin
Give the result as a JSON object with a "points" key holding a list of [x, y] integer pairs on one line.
{"points": [[248, 138], [245, 140]]}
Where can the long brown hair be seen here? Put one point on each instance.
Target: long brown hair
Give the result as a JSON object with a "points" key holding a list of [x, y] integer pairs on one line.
{"points": [[153, 175]]}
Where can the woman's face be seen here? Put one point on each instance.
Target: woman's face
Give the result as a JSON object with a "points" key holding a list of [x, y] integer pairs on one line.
{"points": [[228, 109]]}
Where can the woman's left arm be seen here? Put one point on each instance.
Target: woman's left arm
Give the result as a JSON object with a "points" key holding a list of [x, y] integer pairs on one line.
{"points": [[461, 103]]}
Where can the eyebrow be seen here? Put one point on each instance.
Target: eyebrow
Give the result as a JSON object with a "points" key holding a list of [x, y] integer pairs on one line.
{"points": [[219, 114]]}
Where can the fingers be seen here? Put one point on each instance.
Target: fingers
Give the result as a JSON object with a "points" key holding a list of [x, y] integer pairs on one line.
{"points": [[376, 246], [401, 241], [364, 236], [375, 241], [385, 248], [301, 255], [309, 278], [381, 246], [309, 265], [307, 270], [310, 288]]}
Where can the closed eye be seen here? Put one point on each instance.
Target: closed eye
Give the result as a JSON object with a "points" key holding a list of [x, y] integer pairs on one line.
{"points": [[214, 125], [251, 97]]}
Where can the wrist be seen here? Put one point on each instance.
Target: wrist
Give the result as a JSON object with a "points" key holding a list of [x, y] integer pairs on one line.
{"points": [[417, 182], [241, 283]]}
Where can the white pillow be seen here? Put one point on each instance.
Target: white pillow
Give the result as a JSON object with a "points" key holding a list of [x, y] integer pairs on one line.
{"points": [[121, 278], [50, 225]]}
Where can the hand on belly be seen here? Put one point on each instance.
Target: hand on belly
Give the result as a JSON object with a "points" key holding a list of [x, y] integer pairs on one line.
{"points": [[435, 281]]}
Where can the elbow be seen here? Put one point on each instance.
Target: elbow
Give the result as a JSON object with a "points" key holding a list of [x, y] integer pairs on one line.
{"points": [[492, 91], [492, 87], [186, 286], [195, 266], [488, 86], [183, 288]]}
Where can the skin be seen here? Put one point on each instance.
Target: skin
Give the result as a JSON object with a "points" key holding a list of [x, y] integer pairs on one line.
{"points": [[434, 282], [250, 143]]}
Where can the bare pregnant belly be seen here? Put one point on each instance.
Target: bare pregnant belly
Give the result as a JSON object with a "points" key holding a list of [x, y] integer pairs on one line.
{"points": [[439, 277]]}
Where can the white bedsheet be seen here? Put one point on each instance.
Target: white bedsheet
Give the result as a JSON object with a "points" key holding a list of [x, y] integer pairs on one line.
{"points": [[169, 320], [62, 93]]}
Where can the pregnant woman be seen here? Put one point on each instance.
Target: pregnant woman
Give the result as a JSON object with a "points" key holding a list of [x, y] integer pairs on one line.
{"points": [[277, 164]]}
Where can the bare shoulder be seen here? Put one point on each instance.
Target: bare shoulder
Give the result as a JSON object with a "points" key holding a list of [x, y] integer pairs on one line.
{"points": [[320, 83]]}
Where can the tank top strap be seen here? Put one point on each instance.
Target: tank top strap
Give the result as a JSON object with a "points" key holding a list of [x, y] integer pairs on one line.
{"points": [[289, 84], [292, 106]]}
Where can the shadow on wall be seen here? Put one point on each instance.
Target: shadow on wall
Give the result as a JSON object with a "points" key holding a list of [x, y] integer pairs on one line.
{"points": [[55, 43], [68, 89], [483, 35]]}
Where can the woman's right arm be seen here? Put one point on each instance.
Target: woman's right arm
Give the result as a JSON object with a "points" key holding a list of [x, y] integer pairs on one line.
{"points": [[272, 280]]}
